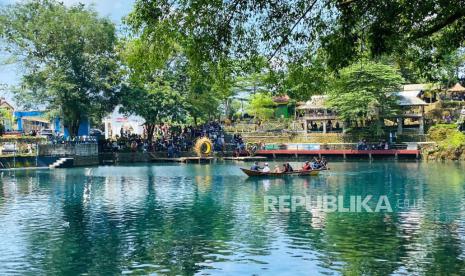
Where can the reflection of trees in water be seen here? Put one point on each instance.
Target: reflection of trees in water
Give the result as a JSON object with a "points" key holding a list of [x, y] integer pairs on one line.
{"points": [[150, 224], [366, 243], [109, 233], [446, 256], [381, 243], [342, 239]]}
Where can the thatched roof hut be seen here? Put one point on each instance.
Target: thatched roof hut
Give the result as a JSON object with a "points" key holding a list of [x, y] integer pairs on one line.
{"points": [[457, 88]]}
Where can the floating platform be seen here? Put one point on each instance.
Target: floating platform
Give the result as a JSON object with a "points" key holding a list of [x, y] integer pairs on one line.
{"points": [[343, 153], [246, 158], [184, 159], [206, 159]]}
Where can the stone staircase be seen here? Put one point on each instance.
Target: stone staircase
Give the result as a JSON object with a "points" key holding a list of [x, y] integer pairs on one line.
{"points": [[64, 162]]}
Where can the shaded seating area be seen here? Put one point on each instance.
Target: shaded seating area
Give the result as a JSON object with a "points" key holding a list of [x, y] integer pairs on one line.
{"points": [[316, 117], [413, 112], [457, 92]]}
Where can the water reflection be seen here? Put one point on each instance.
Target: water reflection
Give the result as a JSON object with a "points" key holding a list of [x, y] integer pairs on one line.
{"points": [[210, 219]]}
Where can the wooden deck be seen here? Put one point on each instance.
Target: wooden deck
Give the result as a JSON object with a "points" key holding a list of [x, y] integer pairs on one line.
{"points": [[246, 158], [343, 153], [184, 159]]}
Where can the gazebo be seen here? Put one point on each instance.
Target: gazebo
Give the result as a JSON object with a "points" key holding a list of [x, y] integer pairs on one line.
{"points": [[316, 117], [457, 92], [457, 88], [413, 109]]}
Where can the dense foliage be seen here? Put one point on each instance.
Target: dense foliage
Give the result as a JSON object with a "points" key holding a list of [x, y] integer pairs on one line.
{"points": [[281, 30], [261, 106], [447, 136], [425, 30], [5, 116], [158, 97], [183, 61], [365, 92], [68, 57]]}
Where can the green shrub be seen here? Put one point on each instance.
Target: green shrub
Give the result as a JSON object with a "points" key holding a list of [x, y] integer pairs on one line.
{"points": [[446, 136], [451, 104]]}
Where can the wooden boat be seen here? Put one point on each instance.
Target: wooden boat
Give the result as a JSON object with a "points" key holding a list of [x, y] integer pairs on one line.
{"points": [[294, 173]]}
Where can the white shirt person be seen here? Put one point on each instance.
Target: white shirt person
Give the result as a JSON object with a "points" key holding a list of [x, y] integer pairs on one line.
{"points": [[266, 168]]}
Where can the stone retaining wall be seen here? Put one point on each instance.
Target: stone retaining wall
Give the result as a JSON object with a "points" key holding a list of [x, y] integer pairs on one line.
{"points": [[68, 150], [82, 161], [25, 162]]}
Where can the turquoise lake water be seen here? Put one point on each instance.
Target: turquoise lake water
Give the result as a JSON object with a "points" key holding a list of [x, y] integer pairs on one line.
{"points": [[210, 220]]}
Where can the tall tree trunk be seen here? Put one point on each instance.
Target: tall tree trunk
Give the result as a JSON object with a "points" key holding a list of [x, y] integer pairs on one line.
{"points": [[74, 128], [72, 120], [150, 131]]}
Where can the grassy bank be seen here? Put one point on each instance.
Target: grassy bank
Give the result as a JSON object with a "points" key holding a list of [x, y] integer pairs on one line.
{"points": [[450, 143]]}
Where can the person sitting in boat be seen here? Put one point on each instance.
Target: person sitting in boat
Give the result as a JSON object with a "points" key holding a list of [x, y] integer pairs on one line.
{"points": [[316, 163], [288, 168], [277, 169], [255, 167], [324, 162], [266, 168], [319, 162], [306, 166]]}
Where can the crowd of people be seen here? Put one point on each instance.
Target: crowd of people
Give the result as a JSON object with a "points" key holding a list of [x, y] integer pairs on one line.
{"points": [[330, 126], [363, 145], [240, 148], [316, 164], [170, 139]]}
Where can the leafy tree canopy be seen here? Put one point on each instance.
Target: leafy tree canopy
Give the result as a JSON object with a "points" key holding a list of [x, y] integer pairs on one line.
{"points": [[157, 102], [5, 116], [365, 92], [68, 57], [433, 28], [203, 84], [156, 93], [280, 30], [261, 106], [306, 77]]}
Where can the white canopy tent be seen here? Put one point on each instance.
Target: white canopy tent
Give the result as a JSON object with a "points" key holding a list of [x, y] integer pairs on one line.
{"points": [[116, 120]]}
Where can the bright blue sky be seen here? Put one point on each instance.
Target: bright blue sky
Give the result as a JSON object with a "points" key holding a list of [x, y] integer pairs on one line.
{"points": [[114, 9]]}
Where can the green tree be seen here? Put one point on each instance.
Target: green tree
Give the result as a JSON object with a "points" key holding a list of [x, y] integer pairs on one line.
{"points": [[154, 92], [283, 30], [261, 106], [307, 77], [240, 28], [252, 75], [366, 92], [427, 31], [5, 116], [204, 87], [157, 102], [210, 89], [68, 57]]}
